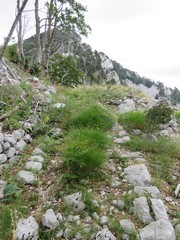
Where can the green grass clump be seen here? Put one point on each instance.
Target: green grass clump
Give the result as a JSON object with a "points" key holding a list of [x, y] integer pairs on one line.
{"points": [[133, 120], [5, 222], [91, 116], [84, 151], [177, 115]]}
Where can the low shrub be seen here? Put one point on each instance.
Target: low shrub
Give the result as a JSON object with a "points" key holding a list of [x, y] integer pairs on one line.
{"points": [[83, 152], [91, 116]]}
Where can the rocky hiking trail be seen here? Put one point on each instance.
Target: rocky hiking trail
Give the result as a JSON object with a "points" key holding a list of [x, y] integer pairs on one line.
{"points": [[128, 204]]}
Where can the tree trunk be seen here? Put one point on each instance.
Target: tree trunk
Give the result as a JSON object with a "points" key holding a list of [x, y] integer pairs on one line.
{"points": [[12, 28], [38, 57], [20, 49]]}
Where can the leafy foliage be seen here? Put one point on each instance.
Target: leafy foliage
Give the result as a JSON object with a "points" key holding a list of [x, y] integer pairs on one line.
{"points": [[11, 192], [64, 70]]}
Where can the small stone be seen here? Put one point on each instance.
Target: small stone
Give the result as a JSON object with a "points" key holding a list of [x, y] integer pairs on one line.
{"points": [[138, 175], [104, 234], [112, 169], [17, 135], [1, 148], [75, 201], [103, 220], [10, 139], [159, 209], [1, 137], [128, 226], [59, 234], [152, 191], [73, 218], [115, 184], [2, 187], [28, 138], [141, 209], [3, 158], [27, 229], [20, 145], [36, 158], [10, 152], [33, 165], [122, 140], [160, 229], [49, 219], [59, 105], [26, 177], [177, 191], [14, 159], [6, 145], [95, 215], [38, 151], [177, 229]]}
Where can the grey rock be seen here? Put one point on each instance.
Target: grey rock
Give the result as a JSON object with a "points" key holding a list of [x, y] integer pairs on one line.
{"points": [[126, 106], [131, 155], [159, 209], [104, 234], [3, 158], [10, 139], [103, 220], [59, 234], [33, 165], [14, 159], [38, 151], [27, 138], [177, 229], [127, 225], [27, 229], [122, 139], [59, 105], [26, 177], [122, 133], [152, 191], [6, 145], [125, 236], [49, 219], [141, 209], [118, 203], [17, 135], [138, 175], [95, 215], [136, 132], [173, 123], [1, 148], [166, 132], [75, 201], [158, 230], [10, 152], [177, 191], [36, 158], [1, 137], [73, 218], [2, 187], [20, 145], [115, 184]]}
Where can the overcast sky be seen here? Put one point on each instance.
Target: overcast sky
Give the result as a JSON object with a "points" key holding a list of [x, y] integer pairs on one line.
{"points": [[142, 35]]}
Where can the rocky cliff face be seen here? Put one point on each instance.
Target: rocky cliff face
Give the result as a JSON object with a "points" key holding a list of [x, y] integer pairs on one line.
{"points": [[99, 68]]}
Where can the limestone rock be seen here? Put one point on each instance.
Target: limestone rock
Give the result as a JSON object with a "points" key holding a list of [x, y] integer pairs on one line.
{"points": [[3, 158], [158, 230], [1, 137], [20, 145], [17, 135], [127, 225], [36, 158], [141, 209], [104, 234], [27, 229], [1, 148], [38, 151], [177, 191], [59, 105], [33, 165], [49, 219], [122, 139], [14, 159], [138, 175], [6, 145], [159, 209], [2, 186], [152, 191], [127, 106], [10, 152], [75, 200], [10, 139], [26, 177]]}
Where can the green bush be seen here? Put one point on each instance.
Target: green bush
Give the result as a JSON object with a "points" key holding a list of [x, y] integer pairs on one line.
{"points": [[91, 116], [159, 114], [11, 192], [133, 120], [84, 151], [64, 70]]}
